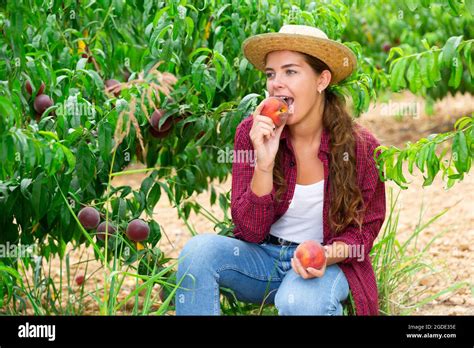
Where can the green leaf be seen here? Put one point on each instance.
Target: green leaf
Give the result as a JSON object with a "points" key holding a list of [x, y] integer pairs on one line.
{"points": [[413, 76], [57, 160], [462, 122], [24, 184], [85, 165], [435, 72], [456, 72], [397, 77], [400, 159], [155, 233], [213, 195], [421, 158], [7, 113], [40, 197], [468, 57], [453, 4], [49, 135], [81, 64], [95, 77], [469, 4], [189, 26], [70, 159], [412, 4], [460, 152], [426, 66], [449, 49], [105, 141], [392, 52], [153, 196]]}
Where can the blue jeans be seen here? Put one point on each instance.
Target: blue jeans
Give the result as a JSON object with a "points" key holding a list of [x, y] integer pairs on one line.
{"points": [[256, 273]]}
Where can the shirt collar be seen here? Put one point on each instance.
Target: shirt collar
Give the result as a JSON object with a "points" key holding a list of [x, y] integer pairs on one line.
{"points": [[324, 146]]}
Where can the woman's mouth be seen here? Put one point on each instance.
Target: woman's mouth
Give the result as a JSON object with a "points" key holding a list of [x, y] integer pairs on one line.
{"points": [[290, 102]]}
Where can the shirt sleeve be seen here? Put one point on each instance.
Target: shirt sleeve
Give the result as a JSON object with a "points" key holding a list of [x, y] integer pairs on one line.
{"points": [[252, 215], [373, 193]]}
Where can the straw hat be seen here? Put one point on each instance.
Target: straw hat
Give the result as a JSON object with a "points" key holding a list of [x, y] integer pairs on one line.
{"points": [[302, 38]]}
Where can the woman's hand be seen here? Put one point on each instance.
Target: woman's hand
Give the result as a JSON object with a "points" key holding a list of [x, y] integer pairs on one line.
{"points": [[309, 272], [265, 139]]}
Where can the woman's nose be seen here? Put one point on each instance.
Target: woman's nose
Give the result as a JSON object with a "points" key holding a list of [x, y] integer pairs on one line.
{"points": [[277, 81]]}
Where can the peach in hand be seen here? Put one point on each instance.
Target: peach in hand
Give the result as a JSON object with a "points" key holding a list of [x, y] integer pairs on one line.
{"points": [[311, 254]]}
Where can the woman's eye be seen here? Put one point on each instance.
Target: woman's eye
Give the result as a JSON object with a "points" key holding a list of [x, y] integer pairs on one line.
{"points": [[288, 72]]}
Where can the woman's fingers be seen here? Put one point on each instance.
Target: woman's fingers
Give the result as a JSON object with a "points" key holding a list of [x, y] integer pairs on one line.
{"points": [[294, 266], [265, 130], [259, 108], [264, 119], [265, 126], [315, 272], [301, 271], [307, 273]]}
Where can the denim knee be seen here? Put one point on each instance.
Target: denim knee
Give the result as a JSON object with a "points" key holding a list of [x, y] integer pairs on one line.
{"points": [[294, 303], [296, 297], [199, 250]]}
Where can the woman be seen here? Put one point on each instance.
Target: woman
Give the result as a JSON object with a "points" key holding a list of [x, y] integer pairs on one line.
{"points": [[314, 179]]}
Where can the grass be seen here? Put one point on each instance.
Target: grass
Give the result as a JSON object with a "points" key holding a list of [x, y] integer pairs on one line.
{"points": [[398, 265]]}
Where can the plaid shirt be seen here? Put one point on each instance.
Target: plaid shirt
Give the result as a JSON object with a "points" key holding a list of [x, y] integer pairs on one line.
{"points": [[253, 215]]}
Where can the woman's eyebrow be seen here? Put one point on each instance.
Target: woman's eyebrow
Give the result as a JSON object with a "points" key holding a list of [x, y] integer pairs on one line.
{"points": [[284, 66]]}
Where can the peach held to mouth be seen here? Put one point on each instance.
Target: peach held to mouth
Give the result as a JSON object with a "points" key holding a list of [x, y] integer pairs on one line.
{"points": [[277, 109], [291, 103]]}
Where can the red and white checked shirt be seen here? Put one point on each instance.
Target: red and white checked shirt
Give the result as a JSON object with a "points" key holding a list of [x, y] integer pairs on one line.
{"points": [[253, 215]]}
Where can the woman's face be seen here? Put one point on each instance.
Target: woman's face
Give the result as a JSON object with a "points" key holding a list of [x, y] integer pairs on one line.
{"points": [[289, 75]]}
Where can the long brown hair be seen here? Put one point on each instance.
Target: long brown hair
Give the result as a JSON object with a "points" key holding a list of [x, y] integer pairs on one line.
{"points": [[346, 203]]}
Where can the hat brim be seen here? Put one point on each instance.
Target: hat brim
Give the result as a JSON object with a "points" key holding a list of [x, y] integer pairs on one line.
{"points": [[339, 58]]}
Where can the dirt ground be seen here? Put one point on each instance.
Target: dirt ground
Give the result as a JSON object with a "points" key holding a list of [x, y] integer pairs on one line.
{"points": [[452, 253]]}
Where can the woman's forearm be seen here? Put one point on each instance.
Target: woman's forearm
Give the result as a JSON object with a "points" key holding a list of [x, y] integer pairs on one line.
{"points": [[262, 181]]}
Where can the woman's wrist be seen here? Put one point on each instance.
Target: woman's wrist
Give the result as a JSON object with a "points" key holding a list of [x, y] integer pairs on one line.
{"points": [[266, 168], [336, 252], [262, 180]]}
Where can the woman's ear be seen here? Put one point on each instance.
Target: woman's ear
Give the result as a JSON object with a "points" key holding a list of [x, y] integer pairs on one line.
{"points": [[324, 80]]}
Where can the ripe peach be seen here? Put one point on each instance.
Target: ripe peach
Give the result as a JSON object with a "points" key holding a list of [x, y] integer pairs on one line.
{"points": [[311, 254], [89, 218], [102, 232], [42, 102], [155, 121], [158, 134], [79, 280], [138, 230], [274, 108], [386, 47], [112, 86]]}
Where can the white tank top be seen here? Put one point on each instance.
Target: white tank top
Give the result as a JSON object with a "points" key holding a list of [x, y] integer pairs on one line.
{"points": [[304, 218]]}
